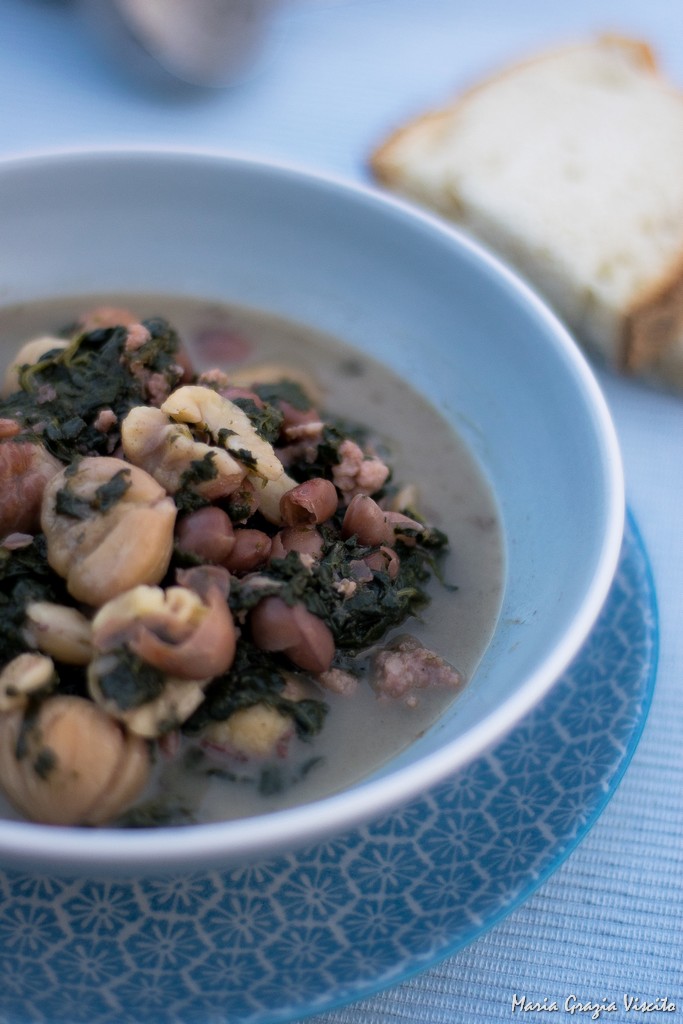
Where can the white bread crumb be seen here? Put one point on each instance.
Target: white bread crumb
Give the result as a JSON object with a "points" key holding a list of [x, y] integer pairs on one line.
{"points": [[570, 166]]}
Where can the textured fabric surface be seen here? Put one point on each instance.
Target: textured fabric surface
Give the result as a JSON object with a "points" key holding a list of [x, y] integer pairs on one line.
{"points": [[333, 80]]}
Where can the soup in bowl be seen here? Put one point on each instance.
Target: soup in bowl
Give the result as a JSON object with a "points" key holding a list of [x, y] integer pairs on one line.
{"points": [[326, 500], [229, 618]]}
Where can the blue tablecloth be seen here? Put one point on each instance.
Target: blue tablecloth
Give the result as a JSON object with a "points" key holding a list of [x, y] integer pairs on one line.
{"points": [[334, 78]]}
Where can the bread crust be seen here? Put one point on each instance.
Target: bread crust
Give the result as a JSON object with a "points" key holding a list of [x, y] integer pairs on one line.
{"points": [[382, 160], [653, 322]]}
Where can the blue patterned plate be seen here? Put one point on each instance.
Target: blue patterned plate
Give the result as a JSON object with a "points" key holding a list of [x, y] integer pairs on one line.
{"points": [[302, 933]]}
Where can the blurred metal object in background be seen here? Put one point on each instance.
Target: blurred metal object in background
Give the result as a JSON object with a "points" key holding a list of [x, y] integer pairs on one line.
{"points": [[202, 43]]}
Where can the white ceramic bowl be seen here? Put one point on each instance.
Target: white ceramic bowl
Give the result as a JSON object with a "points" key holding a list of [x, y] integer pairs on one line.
{"points": [[435, 307]]}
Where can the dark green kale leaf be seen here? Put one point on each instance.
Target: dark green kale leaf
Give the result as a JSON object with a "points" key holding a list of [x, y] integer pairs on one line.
{"points": [[309, 715], [157, 812], [256, 677], [159, 354], [108, 494], [25, 576], [267, 421], [45, 763], [358, 620], [198, 472], [285, 577], [326, 456], [283, 391], [428, 536], [244, 595], [244, 456], [223, 436], [131, 681], [104, 498], [295, 581], [375, 606], [240, 504], [62, 394]]}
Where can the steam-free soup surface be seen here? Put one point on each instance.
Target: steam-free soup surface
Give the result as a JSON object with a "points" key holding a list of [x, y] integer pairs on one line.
{"points": [[363, 731]]}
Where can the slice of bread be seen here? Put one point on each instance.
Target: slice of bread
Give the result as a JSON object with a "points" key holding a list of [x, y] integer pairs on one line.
{"points": [[570, 165]]}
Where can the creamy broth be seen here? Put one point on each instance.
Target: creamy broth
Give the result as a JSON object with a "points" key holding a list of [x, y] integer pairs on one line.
{"points": [[361, 732]]}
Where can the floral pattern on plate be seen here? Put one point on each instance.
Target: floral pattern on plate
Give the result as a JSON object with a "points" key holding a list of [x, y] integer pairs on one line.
{"points": [[299, 934]]}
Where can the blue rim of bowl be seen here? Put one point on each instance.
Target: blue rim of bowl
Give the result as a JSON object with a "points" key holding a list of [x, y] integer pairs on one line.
{"points": [[606, 793], [212, 843]]}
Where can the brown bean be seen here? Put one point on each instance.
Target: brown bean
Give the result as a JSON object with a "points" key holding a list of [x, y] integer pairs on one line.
{"points": [[367, 521], [203, 578], [312, 502], [9, 428], [305, 540], [25, 470], [251, 549], [400, 523], [384, 560], [292, 629], [207, 533], [374, 526]]}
